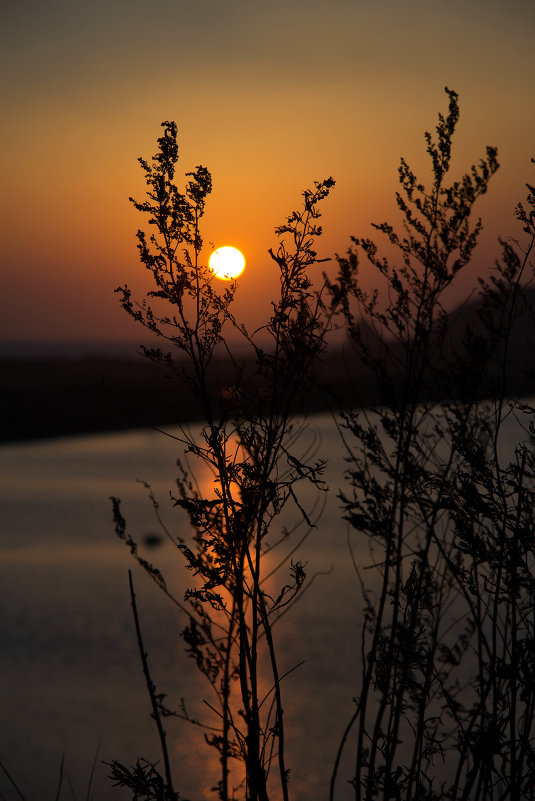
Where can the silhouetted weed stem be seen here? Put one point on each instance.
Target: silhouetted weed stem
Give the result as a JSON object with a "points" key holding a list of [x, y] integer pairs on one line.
{"points": [[247, 444], [12, 782], [447, 639], [448, 635], [151, 689], [60, 777]]}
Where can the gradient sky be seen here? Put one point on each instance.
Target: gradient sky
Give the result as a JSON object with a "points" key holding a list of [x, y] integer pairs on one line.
{"points": [[270, 97]]}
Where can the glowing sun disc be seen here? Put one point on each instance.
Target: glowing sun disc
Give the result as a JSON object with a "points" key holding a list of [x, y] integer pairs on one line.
{"points": [[227, 263]]}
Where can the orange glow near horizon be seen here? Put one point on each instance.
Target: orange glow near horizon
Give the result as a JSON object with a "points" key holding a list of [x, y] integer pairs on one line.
{"points": [[76, 125]]}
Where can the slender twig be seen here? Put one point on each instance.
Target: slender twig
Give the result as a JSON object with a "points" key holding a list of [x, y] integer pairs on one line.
{"points": [[151, 690], [12, 781], [60, 779]]}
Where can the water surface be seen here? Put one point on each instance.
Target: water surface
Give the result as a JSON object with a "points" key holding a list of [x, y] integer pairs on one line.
{"points": [[72, 681]]}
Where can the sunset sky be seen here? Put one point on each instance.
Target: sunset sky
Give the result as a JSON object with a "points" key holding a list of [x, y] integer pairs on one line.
{"points": [[268, 96]]}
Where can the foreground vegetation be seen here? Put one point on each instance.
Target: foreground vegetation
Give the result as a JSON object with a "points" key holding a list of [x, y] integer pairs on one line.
{"points": [[248, 444], [445, 706], [444, 703]]}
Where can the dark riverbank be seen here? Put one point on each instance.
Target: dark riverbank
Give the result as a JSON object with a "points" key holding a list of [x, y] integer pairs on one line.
{"points": [[49, 397]]}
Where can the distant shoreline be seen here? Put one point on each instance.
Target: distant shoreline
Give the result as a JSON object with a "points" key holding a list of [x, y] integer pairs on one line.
{"points": [[47, 398], [50, 390]]}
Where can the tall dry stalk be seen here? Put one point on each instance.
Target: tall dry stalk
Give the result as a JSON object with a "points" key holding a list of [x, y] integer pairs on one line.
{"points": [[248, 440], [445, 707]]}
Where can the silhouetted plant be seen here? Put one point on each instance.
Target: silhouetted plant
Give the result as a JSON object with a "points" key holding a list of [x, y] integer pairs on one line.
{"points": [[494, 530], [143, 779], [446, 707], [247, 440]]}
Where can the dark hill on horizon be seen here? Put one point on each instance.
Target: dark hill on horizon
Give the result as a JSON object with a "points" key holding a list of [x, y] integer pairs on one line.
{"points": [[45, 397]]}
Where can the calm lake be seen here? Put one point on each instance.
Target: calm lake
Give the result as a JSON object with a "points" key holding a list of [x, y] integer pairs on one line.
{"points": [[72, 681]]}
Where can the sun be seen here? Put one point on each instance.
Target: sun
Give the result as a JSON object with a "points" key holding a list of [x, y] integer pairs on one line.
{"points": [[227, 263]]}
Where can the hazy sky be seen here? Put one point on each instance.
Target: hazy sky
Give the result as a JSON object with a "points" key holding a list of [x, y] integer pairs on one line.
{"points": [[269, 96]]}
